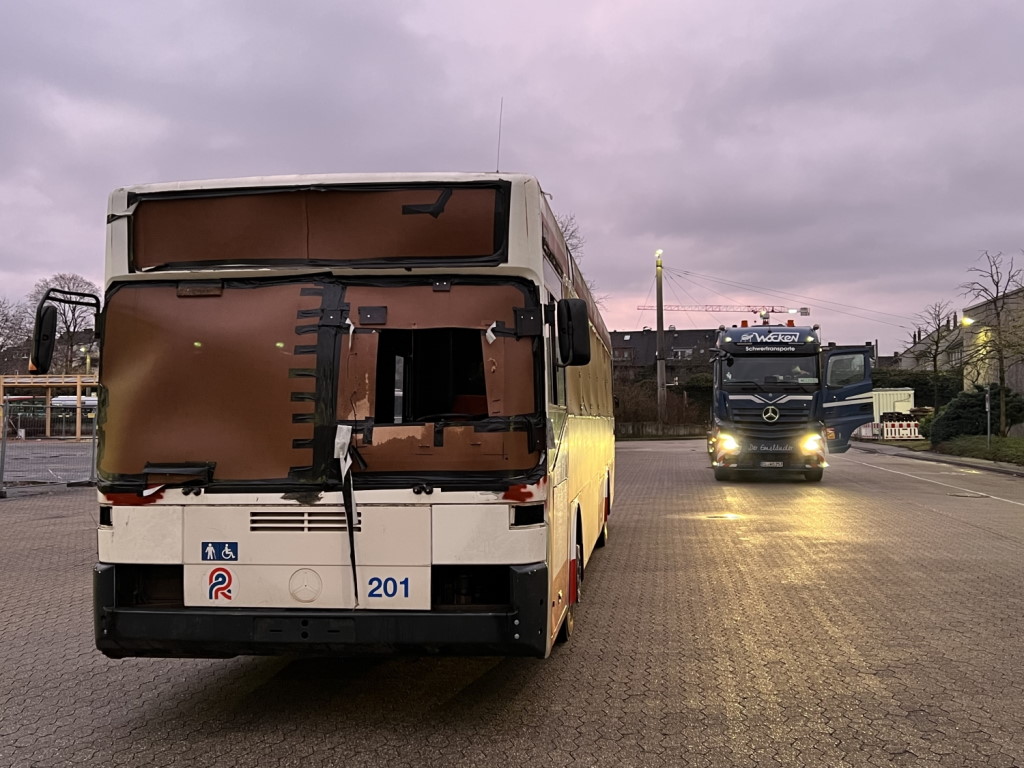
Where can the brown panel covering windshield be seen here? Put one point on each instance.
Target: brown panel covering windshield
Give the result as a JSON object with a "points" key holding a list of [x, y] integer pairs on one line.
{"points": [[430, 390], [193, 378], [237, 382], [356, 226]]}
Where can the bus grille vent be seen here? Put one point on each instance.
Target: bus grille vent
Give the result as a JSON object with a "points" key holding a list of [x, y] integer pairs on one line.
{"points": [[301, 520]]}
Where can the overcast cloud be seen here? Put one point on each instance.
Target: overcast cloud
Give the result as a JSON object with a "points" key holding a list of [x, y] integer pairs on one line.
{"points": [[853, 157]]}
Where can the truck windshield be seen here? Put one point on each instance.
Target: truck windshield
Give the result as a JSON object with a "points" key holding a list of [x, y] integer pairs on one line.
{"points": [[795, 369]]}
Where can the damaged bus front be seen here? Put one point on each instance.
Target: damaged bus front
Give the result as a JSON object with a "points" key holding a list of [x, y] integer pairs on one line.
{"points": [[329, 438]]}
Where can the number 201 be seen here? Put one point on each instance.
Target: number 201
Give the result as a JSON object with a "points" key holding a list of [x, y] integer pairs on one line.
{"points": [[388, 587]]}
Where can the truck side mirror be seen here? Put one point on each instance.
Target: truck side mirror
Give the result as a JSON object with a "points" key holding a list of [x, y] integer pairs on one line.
{"points": [[573, 327], [44, 336]]}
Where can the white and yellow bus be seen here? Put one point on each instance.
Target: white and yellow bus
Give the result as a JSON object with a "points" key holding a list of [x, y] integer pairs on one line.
{"points": [[344, 413]]}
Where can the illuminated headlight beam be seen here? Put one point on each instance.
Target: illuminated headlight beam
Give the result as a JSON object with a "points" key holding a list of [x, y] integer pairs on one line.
{"points": [[811, 444]]}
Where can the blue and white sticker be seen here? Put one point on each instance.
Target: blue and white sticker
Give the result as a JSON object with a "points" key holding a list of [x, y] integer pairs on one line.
{"points": [[220, 551]]}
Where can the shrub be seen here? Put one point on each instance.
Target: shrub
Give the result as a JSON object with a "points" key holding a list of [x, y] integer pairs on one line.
{"points": [[965, 415], [924, 423]]}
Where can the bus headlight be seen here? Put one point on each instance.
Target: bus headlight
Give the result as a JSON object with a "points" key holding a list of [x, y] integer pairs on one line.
{"points": [[811, 444]]}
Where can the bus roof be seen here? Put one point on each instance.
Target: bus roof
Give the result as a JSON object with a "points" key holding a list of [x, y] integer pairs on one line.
{"points": [[325, 179]]}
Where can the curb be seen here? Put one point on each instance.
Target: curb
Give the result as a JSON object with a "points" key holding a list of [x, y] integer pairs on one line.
{"points": [[957, 461]]}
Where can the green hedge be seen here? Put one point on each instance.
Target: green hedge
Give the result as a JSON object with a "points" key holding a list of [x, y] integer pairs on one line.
{"points": [[965, 415], [1005, 449]]}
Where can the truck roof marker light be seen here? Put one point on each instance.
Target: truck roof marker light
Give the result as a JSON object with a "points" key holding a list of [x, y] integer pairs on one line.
{"points": [[743, 323], [790, 323]]}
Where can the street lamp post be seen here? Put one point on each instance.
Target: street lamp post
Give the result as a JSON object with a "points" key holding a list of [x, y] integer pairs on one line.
{"points": [[988, 415], [662, 392], [88, 358]]}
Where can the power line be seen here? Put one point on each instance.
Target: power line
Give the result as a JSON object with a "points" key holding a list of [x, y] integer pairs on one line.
{"points": [[763, 289], [648, 298], [871, 314], [714, 317], [671, 286], [729, 308]]}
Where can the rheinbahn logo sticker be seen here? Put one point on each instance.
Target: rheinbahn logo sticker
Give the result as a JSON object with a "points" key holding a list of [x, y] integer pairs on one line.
{"points": [[220, 581]]}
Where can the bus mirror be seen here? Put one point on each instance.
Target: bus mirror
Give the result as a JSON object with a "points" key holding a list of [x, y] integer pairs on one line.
{"points": [[573, 332], [43, 337]]}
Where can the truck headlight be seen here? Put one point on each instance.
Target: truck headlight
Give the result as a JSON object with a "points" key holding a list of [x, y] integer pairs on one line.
{"points": [[727, 443], [811, 444]]}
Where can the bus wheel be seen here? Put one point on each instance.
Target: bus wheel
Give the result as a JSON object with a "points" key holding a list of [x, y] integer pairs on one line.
{"points": [[602, 538], [721, 473], [814, 475], [569, 622]]}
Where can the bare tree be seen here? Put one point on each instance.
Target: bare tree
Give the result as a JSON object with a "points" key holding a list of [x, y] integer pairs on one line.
{"points": [[574, 241], [14, 333], [74, 323], [998, 333], [937, 343]]}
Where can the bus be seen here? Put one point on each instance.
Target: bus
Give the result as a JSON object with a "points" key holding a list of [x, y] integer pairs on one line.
{"points": [[344, 414]]}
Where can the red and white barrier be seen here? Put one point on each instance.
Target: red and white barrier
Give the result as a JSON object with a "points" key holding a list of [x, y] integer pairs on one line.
{"points": [[889, 430], [900, 430]]}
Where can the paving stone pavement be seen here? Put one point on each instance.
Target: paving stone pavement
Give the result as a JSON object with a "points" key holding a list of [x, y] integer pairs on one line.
{"points": [[861, 621]]}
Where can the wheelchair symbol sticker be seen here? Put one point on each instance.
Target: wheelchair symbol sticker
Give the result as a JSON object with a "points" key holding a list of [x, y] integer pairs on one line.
{"points": [[220, 550]]}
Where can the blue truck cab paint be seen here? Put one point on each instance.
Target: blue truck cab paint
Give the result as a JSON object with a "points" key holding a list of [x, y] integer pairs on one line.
{"points": [[782, 401]]}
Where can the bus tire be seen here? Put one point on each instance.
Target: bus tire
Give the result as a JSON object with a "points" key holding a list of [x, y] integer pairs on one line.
{"points": [[602, 537], [569, 622]]}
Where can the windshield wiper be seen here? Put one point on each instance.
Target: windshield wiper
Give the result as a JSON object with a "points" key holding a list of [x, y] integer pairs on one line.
{"points": [[434, 209]]}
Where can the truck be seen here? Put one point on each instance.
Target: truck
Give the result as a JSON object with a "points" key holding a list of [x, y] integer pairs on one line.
{"points": [[782, 401]]}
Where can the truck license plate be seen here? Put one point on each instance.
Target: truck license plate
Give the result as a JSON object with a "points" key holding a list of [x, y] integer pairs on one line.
{"points": [[772, 464]]}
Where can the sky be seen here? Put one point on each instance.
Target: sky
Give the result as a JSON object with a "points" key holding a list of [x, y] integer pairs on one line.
{"points": [[854, 158]]}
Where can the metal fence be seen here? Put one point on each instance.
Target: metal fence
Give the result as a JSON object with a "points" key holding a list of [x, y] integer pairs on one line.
{"points": [[653, 430], [42, 443]]}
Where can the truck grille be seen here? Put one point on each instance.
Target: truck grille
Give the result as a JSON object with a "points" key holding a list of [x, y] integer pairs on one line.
{"points": [[792, 422], [302, 520], [776, 431], [746, 414]]}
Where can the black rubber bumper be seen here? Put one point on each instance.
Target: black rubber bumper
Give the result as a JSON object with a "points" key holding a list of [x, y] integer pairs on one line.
{"points": [[178, 632]]}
